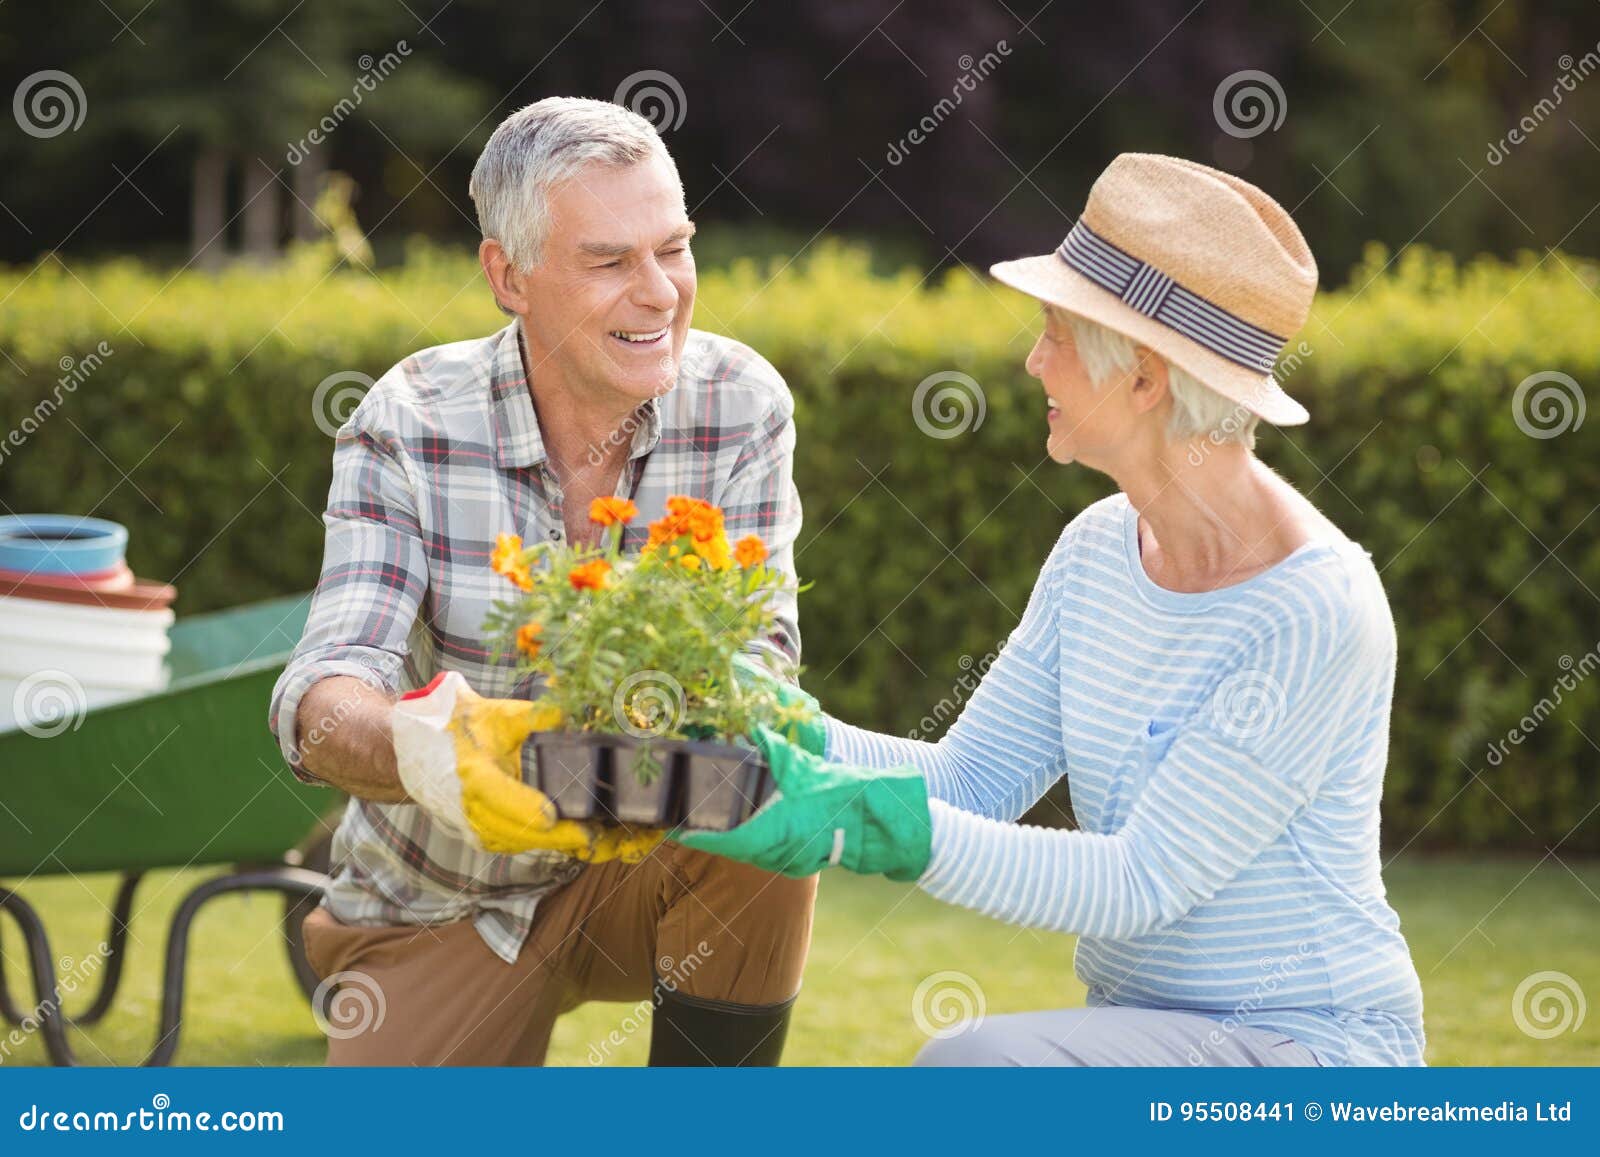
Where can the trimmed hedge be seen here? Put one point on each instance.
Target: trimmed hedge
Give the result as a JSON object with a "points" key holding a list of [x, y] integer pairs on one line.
{"points": [[193, 424]]}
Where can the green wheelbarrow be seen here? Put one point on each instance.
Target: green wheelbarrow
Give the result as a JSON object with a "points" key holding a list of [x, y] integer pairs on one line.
{"points": [[188, 776]]}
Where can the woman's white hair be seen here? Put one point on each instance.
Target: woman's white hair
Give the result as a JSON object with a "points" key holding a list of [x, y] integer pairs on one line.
{"points": [[541, 145], [1198, 411]]}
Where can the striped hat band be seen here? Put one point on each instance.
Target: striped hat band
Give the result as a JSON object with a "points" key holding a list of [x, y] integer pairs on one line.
{"points": [[1145, 288]]}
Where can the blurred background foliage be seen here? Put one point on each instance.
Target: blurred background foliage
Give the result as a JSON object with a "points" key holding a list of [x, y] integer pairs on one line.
{"points": [[790, 111], [231, 265], [197, 431]]}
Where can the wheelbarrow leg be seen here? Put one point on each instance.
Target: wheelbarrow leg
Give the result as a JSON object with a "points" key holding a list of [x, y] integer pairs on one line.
{"points": [[47, 1012], [52, 1022], [8, 1008], [289, 881], [116, 953]]}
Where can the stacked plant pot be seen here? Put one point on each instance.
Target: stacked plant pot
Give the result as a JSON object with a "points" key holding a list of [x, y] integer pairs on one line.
{"points": [[77, 629], [704, 786]]}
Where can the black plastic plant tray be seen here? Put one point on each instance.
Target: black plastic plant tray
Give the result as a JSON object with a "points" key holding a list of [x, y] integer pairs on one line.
{"points": [[704, 786], [568, 768]]}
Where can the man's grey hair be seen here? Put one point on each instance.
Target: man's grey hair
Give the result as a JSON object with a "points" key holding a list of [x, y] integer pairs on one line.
{"points": [[1198, 411], [539, 146]]}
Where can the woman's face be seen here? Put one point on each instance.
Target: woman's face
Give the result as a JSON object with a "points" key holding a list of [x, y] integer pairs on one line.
{"points": [[1085, 424]]}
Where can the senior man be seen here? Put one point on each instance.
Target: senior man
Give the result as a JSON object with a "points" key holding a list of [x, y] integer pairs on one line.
{"points": [[597, 387]]}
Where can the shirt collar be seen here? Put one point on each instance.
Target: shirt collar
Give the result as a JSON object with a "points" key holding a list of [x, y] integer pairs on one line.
{"points": [[518, 441], [646, 433]]}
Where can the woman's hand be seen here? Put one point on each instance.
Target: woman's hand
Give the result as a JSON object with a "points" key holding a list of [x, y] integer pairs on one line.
{"points": [[801, 721], [864, 819]]}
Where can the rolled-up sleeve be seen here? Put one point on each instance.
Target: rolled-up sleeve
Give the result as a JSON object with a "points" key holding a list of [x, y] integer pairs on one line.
{"points": [[374, 575]]}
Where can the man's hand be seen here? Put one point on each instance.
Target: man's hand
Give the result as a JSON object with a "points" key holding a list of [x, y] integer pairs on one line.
{"points": [[868, 820], [460, 758]]}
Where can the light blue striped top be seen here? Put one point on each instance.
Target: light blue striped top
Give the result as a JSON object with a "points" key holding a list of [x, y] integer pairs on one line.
{"points": [[1225, 753]]}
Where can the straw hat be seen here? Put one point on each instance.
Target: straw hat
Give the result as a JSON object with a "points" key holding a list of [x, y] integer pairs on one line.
{"points": [[1201, 267]]}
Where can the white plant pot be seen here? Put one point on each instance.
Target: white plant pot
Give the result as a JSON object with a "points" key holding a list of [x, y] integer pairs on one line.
{"points": [[51, 705], [99, 647]]}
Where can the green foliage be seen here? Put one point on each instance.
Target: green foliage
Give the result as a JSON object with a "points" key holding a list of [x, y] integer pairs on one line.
{"points": [[642, 646], [197, 431]]}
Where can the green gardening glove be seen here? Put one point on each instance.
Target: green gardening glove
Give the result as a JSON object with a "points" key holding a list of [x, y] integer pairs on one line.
{"points": [[801, 722], [866, 819]]}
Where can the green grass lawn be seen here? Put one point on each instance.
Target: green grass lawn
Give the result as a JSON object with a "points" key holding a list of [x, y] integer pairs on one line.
{"points": [[1477, 927]]}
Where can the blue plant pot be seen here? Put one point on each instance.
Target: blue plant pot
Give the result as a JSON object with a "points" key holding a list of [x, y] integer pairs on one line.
{"points": [[60, 544]]}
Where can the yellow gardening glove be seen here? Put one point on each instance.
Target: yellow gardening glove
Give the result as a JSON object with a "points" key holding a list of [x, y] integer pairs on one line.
{"points": [[460, 758]]}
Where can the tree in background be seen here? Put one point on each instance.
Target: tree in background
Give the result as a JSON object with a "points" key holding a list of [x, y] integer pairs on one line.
{"points": [[243, 102], [796, 116]]}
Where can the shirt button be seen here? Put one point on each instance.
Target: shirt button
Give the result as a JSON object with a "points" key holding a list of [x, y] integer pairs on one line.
{"points": [[555, 534]]}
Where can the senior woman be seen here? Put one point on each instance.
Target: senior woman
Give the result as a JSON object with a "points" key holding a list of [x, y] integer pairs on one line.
{"points": [[1207, 659]]}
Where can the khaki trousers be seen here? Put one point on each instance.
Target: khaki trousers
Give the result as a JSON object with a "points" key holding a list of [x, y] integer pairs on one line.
{"points": [[711, 927]]}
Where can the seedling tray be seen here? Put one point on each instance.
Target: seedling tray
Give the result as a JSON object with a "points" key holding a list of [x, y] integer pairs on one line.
{"points": [[701, 786]]}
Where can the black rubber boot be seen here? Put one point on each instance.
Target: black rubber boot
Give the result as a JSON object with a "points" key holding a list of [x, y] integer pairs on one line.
{"points": [[691, 1032]]}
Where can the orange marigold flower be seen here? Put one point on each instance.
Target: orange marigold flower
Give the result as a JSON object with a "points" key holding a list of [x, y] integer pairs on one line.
{"points": [[664, 530], [522, 576], [611, 511], [503, 559], [715, 552], [749, 550], [589, 575], [528, 639], [690, 562], [692, 518], [705, 523]]}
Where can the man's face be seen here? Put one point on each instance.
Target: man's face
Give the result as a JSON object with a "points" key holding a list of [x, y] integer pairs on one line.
{"points": [[609, 304]]}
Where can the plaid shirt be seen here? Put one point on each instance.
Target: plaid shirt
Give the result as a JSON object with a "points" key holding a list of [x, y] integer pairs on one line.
{"points": [[443, 454]]}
